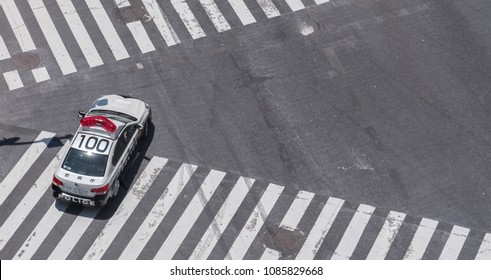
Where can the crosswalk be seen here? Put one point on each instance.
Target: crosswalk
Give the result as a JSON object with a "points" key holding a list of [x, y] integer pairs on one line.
{"points": [[176, 210], [53, 18]]}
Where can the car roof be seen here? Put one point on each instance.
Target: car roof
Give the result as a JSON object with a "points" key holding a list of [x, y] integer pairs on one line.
{"points": [[117, 103]]}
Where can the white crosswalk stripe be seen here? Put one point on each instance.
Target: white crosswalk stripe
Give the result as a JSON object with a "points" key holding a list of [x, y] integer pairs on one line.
{"points": [[13, 79], [188, 18], [108, 31], [159, 211], [45, 240], [25, 162], [421, 239], [222, 219], [40, 74], [320, 229], [4, 52], [454, 243], [190, 215], [18, 26], [162, 22], [81, 35], [215, 15], [295, 5], [385, 237], [24, 207], [137, 30], [353, 233], [242, 11], [129, 204], [269, 8], [52, 36]]}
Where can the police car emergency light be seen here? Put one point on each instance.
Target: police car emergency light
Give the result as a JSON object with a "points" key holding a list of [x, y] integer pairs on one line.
{"points": [[109, 132]]}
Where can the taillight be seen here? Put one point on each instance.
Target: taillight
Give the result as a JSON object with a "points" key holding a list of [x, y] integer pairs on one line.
{"points": [[102, 189], [57, 181]]}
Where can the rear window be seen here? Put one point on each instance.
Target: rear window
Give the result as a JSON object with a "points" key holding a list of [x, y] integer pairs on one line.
{"points": [[85, 163]]}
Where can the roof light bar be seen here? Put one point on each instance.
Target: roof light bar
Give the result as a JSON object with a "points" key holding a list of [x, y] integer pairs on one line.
{"points": [[107, 124]]}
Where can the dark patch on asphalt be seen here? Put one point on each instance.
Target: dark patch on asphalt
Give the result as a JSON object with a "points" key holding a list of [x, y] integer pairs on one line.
{"points": [[25, 61], [287, 242]]}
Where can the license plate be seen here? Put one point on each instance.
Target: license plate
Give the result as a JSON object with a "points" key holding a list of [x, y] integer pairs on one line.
{"points": [[83, 201]]}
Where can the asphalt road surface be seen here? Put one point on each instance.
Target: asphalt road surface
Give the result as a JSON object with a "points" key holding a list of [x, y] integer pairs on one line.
{"points": [[381, 103]]}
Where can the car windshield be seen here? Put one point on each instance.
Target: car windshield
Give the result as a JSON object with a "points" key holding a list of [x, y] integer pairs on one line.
{"points": [[124, 118], [85, 163]]}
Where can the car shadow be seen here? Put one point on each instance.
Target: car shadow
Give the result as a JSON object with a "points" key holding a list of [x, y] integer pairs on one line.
{"points": [[55, 141], [128, 178]]}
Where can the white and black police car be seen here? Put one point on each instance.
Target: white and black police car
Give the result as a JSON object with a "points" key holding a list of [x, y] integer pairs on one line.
{"points": [[109, 132]]}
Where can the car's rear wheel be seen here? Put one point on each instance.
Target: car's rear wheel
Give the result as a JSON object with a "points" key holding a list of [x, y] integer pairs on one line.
{"points": [[116, 186]]}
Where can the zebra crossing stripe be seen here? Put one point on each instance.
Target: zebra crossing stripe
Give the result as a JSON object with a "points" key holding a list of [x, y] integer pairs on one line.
{"points": [[320, 229], [40, 74], [382, 244], [188, 18], [107, 29], [352, 234], [37, 236], [291, 219], [52, 37], [242, 11], [161, 22], [73, 234], [190, 215], [295, 5], [13, 79], [421, 239], [81, 35], [4, 52], [24, 163], [30, 199], [222, 219], [269, 8], [255, 222], [318, 2], [130, 201], [215, 15], [484, 252], [141, 37], [158, 212], [18, 26], [454, 243]]}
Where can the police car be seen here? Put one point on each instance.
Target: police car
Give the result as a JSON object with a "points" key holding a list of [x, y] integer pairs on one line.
{"points": [[109, 132]]}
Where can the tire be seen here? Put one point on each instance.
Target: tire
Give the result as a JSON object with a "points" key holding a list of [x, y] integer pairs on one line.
{"points": [[116, 186]]}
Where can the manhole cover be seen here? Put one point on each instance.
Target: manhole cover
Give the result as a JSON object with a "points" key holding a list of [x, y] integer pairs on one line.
{"points": [[25, 61], [288, 242], [131, 14]]}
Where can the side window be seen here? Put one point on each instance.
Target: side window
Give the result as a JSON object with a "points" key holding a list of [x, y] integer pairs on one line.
{"points": [[122, 143]]}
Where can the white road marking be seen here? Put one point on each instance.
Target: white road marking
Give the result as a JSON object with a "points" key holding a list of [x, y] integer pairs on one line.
{"points": [[353, 233], [30, 199], [25, 162], [18, 26], [13, 79], [291, 219], [320, 229], [255, 221], [4, 52], [295, 5], [386, 236], [190, 215], [215, 15], [107, 29], [242, 11], [52, 37], [188, 18], [269, 8], [484, 252], [81, 35], [127, 206], [141, 37], [37, 236], [161, 22], [40, 74], [73, 234], [158, 212], [421, 239], [318, 2], [222, 219], [454, 243]]}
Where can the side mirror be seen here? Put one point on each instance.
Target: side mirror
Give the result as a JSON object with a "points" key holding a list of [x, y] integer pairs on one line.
{"points": [[81, 114], [140, 126]]}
